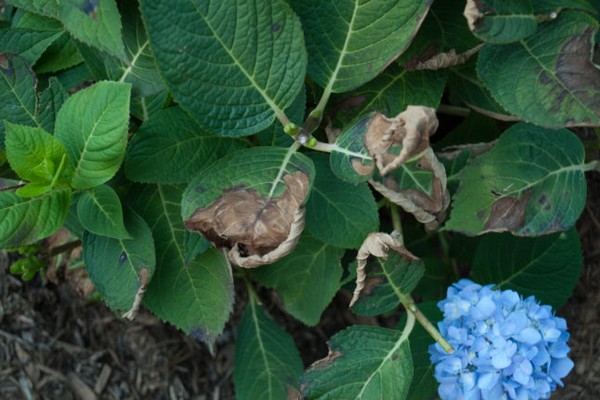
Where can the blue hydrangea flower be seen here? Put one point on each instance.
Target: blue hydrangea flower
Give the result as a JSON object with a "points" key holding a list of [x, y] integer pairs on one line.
{"points": [[506, 347]]}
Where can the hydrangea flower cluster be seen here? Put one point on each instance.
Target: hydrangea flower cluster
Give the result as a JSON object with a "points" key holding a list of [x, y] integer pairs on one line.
{"points": [[506, 347]]}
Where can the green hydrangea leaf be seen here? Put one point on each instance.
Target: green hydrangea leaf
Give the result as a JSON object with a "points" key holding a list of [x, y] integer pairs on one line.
{"points": [[266, 359], [28, 43], [350, 42], [501, 21], [180, 142], [121, 269], [93, 124], [532, 182], [234, 76], [100, 212], [307, 279], [547, 267]]}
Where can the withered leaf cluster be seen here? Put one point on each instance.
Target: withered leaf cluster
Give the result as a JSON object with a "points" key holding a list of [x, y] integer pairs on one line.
{"points": [[255, 229]]}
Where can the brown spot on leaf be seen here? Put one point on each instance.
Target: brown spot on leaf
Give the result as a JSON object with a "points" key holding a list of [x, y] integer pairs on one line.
{"points": [[361, 168], [507, 214], [327, 361], [480, 214], [244, 217], [548, 207], [276, 27], [444, 60], [542, 199]]}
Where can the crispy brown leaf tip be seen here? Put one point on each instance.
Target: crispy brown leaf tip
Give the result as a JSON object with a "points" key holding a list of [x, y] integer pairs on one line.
{"points": [[445, 60], [473, 14], [410, 129], [376, 244], [257, 230], [139, 295]]}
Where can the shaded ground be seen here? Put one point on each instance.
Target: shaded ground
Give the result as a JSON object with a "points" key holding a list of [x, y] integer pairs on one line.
{"points": [[54, 345]]}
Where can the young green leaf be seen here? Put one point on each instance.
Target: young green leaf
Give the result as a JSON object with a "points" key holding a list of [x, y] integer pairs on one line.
{"points": [[27, 220], [547, 267], [501, 21], [387, 283], [266, 359], [100, 212], [234, 77], [92, 124], [251, 202], [183, 146], [351, 41], [532, 182], [339, 213], [364, 362], [98, 24], [556, 83], [34, 154], [18, 101], [121, 269], [195, 296], [307, 279]]}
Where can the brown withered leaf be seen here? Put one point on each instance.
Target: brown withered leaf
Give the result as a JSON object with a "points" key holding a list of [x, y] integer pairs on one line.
{"points": [[376, 244], [410, 129], [473, 14], [507, 214], [256, 229], [428, 208], [445, 60]]}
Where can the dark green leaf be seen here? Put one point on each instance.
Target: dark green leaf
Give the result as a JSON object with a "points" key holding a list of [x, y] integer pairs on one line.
{"points": [[234, 65], [549, 78], [203, 285], [501, 21], [350, 160], [532, 182], [28, 43], [179, 142], [388, 282], [339, 213], [51, 101], [364, 362], [100, 212], [27, 220], [92, 124], [350, 42], [307, 279], [266, 359], [547, 267], [121, 268]]}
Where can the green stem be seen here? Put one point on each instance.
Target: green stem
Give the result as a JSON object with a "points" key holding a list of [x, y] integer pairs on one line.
{"points": [[396, 222], [412, 308], [591, 166], [61, 167]]}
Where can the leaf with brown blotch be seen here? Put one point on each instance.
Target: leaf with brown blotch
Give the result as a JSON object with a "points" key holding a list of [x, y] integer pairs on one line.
{"points": [[258, 230], [410, 130], [377, 244], [428, 205], [444, 60]]}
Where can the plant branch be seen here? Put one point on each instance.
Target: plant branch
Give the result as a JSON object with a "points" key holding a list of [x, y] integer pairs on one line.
{"points": [[412, 308], [396, 222]]}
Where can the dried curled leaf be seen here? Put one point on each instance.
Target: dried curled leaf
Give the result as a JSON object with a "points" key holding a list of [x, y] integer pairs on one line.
{"points": [[410, 129], [139, 295], [472, 14], [258, 230], [428, 208], [445, 60], [377, 244]]}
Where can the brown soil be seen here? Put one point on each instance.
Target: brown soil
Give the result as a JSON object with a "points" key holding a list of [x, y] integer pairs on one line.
{"points": [[55, 345]]}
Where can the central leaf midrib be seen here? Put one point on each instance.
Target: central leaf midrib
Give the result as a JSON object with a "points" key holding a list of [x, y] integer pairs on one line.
{"points": [[248, 76]]}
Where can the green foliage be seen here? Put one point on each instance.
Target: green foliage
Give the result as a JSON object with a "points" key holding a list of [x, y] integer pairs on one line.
{"points": [[180, 142]]}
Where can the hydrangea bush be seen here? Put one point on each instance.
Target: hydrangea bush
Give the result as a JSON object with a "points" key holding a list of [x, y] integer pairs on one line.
{"points": [[505, 347], [302, 149]]}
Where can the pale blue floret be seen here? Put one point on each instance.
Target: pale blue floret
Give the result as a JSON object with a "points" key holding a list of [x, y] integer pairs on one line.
{"points": [[506, 347]]}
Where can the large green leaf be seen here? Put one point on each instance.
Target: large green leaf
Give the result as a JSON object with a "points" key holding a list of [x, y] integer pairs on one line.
{"points": [[266, 359], [391, 92], [233, 64], [98, 24], [179, 142], [351, 41], [121, 269], [100, 212], [501, 21], [549, 78], [547, 267], [30, 44], [307, 279], [92, 124], [49, 8], [33, 153], [364, 362], [18, 101], [388, 283], [532, 182], [197, 295], [27, 220], [339, 213]]}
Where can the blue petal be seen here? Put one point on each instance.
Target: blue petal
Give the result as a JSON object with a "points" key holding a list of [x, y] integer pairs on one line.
{"points": [[501, 360], [530, 336], [560, 368], [487, 380]]}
